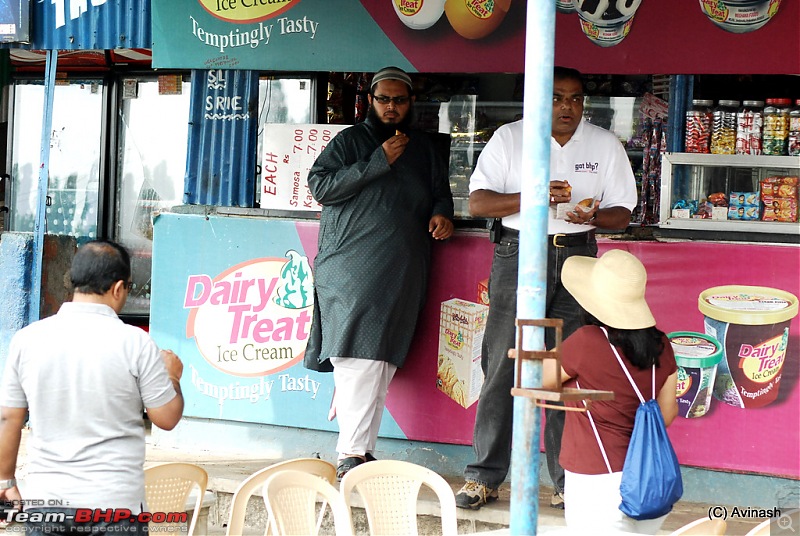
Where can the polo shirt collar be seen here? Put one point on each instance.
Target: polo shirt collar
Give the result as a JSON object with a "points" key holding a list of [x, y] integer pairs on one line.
{"points": [[87, 308]]}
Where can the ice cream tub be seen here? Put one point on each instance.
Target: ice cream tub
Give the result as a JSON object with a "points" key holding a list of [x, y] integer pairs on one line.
{"points": [[752, 325], [606, 35], [697, 356], [740, 16]]}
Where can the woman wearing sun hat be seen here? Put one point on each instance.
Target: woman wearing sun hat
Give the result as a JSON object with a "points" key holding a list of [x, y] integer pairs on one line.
{"points": [[611, 292]]}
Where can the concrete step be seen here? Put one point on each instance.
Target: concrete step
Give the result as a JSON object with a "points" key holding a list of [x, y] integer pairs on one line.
{"points": [[225, 474]]}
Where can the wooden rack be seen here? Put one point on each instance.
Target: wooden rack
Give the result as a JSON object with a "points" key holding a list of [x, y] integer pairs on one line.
{"points": [[559, 394]]}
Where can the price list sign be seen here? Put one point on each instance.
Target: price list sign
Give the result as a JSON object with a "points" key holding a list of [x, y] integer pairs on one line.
{"points": [[289, 153]]}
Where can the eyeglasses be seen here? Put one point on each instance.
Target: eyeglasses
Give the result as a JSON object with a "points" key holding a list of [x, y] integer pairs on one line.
{"points": [[383, 99], [568, 99], [129, 285]]}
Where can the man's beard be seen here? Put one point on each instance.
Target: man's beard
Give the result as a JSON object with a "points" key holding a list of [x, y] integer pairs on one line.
{"points": [[386, 131]]}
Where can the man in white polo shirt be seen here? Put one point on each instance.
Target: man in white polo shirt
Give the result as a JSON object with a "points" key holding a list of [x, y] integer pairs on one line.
{"points": [[586, 162], [84, 378]]}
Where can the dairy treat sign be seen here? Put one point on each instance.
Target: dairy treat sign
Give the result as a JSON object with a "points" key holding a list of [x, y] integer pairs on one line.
{"points": [[254, 318], [237, 308]]}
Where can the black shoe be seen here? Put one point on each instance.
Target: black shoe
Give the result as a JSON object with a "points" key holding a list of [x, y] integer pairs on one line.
{"points": [[346, 464], [370, 457], [557, 500]]}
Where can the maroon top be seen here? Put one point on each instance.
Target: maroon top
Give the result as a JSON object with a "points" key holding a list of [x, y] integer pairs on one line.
{"points": [[587, 356]]}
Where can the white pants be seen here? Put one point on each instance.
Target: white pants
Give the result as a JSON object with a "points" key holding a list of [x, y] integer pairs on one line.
{"points": [[361, 389], [591, 506]]}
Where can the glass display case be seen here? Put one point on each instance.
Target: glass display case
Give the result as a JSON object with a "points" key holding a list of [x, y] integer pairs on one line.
{"points": [[469, 123], [736, 193]]}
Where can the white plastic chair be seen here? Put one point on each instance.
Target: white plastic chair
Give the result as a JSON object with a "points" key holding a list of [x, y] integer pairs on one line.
{"points": [[390, 491], [702, 527], [762, 529], [166, 488], [291, 500], [315, 466]]}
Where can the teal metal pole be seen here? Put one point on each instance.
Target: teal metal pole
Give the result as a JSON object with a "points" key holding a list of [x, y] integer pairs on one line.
{"points": [[39, 225], [532, 279]]}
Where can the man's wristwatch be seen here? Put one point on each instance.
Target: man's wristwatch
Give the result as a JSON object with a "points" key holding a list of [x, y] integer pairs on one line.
{"points": [[7, 484]]}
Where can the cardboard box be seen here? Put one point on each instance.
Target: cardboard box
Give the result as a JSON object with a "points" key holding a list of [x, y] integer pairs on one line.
{"points": [[459, 374], [483, 291]]}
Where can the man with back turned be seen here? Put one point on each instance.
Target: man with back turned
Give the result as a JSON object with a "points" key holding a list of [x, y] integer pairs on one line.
{"points": [[84, 378]]}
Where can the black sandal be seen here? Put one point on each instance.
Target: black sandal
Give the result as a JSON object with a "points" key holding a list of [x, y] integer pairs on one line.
{"points": [[370, 457], [346, 464]]}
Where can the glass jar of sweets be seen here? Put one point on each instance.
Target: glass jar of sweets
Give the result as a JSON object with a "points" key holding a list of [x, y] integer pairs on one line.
{"points": [[698, 126], [749, 126], [776, 127], [723, 127], [794, 130]]}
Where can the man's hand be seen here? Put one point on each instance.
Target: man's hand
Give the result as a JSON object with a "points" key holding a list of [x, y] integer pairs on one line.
{"points": [[11, 422], [173, 364], [394, 147], [581, 215], [440, 227], [167, 416], [11, 494], [560, 192]]}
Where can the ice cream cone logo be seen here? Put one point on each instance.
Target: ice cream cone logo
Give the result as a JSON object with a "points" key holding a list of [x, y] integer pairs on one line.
{"points": [[295, 290]]}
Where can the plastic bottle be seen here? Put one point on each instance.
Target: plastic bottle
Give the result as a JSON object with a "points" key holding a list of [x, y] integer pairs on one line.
{"points": [[776, 127], [698, 126], [794, 130], [749, 127], [723, 128]]}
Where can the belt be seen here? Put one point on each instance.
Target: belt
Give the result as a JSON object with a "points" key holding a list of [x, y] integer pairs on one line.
{"points": [[571, 240], [556, 240]]}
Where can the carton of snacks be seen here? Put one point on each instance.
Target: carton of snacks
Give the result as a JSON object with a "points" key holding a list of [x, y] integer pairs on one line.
{"points": [[459, 373], [779, 209], [743, 212], [743, 198], [785, 187], [483, 291]]}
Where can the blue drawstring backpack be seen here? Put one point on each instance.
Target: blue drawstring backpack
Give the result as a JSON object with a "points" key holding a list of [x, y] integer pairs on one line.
{"points": [[651, 476]]}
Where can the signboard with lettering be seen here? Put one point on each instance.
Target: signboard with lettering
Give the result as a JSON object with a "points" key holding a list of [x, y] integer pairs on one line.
{"points": [[289, 152], [238, 313], [15, 21], [474, 36]]}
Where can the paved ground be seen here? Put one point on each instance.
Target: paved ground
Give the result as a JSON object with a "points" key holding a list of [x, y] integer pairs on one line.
{"points": [[225, 473]]}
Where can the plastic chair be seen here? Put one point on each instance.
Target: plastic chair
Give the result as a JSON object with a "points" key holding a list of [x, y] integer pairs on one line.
{"points": [[762, 529], [702, 527], [390, 491], [246, 489], [166, 488], [291, 500]]}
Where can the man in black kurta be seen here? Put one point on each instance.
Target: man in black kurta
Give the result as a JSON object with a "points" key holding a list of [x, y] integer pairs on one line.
{"points": [[384, 192]]}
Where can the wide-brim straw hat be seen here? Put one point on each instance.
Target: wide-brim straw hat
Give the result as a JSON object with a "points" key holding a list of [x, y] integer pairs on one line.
{"points": [[610, 288]]}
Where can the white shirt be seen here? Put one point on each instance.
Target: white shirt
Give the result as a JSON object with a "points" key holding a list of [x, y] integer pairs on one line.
{"points": [[85, 377], [593, 161]]}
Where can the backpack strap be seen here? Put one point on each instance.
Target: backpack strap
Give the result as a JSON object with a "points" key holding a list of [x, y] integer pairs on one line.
{"points": [[628, 374], [596, 433]]}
